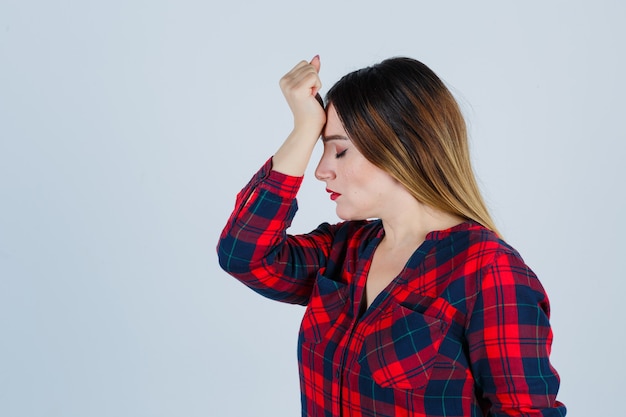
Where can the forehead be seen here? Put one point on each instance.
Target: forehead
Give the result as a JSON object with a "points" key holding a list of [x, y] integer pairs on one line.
{"points": [[333, 130]]}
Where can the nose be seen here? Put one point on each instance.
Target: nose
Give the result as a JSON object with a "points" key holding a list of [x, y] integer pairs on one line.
{"points": [[324, 170]]}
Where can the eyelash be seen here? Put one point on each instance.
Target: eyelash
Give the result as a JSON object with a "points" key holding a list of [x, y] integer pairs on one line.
{"points": [[340, 154]]}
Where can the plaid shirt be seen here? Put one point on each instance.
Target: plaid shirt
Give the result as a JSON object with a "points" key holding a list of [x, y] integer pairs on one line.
{"points": [[462, 331]]}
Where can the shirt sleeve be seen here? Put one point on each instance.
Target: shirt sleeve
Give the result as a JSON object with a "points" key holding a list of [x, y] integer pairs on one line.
{"points": [[510, 338], [255, 248]]}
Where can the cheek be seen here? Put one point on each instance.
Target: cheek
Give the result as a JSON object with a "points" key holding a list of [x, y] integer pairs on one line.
{"points": [[353, 171], [358, 176]]}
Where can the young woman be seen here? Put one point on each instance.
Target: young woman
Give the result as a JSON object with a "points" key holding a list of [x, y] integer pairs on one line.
{"points": [[424, 311]]}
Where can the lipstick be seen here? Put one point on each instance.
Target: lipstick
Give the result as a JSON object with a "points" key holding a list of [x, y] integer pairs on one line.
{"points": [[333, 195]]}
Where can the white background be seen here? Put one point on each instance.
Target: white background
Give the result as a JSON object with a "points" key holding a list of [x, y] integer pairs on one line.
{"points": [[127, 127]]}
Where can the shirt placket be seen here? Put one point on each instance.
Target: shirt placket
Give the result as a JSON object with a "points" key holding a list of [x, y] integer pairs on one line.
{"points": [[350, 344], [340, 374]]}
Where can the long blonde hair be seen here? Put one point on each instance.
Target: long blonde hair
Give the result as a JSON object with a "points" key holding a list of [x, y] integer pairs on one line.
{"points": [[404, 120]]}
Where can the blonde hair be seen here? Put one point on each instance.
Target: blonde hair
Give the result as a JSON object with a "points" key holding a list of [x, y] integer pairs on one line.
{"points": [[404, 120]]}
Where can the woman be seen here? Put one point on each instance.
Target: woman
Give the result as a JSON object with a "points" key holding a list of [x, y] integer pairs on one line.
{"points": [[424, 311]]}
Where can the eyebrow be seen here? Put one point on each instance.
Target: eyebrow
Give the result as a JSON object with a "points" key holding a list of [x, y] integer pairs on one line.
{"points": [[334, 137]]}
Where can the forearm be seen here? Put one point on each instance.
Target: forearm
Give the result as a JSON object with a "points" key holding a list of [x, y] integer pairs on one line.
{"points": [[294, 154]]}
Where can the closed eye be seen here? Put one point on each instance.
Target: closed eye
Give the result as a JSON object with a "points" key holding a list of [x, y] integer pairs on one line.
{"points": [[340, 154]]}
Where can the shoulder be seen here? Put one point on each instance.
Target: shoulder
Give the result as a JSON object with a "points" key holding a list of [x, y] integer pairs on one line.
{"points": [[487, 243], [477, 247], [499, 265]]}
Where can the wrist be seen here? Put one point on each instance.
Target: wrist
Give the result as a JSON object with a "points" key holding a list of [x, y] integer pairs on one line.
{"points": [[305, 134], [312, 121]]}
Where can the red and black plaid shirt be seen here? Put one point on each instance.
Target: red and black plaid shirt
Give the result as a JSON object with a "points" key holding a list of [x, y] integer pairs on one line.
{"points": [[462, 331]]}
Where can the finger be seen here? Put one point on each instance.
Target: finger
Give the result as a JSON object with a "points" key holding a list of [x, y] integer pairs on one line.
{"points": [[303, 74], [306, 75], [301, 68], [316, 62]]}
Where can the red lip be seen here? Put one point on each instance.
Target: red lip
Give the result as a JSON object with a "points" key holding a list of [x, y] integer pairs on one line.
{"points": [[333, 195]]}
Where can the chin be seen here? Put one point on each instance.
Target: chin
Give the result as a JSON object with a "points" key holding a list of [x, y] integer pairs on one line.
{"points": [[345, 216]]}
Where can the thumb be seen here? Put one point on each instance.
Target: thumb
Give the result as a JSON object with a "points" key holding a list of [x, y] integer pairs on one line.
{"points": [[316, 63]]}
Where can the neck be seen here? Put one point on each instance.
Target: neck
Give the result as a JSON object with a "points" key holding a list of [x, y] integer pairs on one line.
{"points": [[409, 227]]}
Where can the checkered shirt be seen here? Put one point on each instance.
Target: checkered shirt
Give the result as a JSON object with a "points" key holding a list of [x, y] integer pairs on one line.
{"points": [[462, 331]]}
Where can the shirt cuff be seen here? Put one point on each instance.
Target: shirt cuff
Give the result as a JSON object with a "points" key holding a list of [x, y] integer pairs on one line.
{"points": [[283, 185]]}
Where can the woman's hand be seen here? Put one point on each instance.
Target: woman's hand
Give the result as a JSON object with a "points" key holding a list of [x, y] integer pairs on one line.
{"points": [[300, 87]]}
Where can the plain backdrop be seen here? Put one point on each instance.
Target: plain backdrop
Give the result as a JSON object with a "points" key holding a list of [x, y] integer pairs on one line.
{"points": [[127, 128]]}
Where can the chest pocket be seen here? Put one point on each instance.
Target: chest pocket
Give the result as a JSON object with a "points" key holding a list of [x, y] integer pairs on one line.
{"points": [[402, 349]]}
